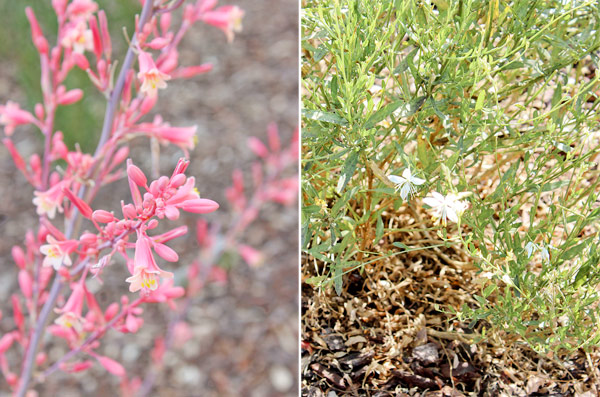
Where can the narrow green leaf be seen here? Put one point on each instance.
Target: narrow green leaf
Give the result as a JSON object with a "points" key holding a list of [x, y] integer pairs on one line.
{"points": [[326, 117]]}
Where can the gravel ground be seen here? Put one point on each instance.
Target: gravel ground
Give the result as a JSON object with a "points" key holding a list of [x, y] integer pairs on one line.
{"points": [[245, 333]]}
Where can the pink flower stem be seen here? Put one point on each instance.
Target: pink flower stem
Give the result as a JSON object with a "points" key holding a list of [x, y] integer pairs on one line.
{"points": [[95, 335], [116, 93], [106, 128]]}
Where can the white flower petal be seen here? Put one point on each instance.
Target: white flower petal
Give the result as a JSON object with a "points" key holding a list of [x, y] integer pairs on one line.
{"points": [[405, 191], [396, 179]]}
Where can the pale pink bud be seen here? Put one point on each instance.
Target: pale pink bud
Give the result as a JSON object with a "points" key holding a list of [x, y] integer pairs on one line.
{"points": [[11, 379], [6, 342], [132, 324], [81, 205], [152, 224], [59, 6], [169, 63], [135, 174], [36, 32], [17, 312], [25, 283], [119, 157], [129, 211], [106, 43], [35, 163], [200, 206], [165, 252], [89, 238], [158, 351], [148, 103], [191, 71], [178, 180], [80, 60], [103, 216], [16, 156], [70, 97], [273, 133], [95, 36], [111, 311], [158, 43], [165, 22], [111, 366], [181, 166], [258, 147], [189, 13], [202, 232], [39, 111], [251, 256], [40, 358], [76, 367], [18, 256]]}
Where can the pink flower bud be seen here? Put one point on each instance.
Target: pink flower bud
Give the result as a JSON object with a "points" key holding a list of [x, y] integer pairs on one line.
{"points": [[81, 205], [166, 252], [76, 367], [96, 36], [129, 211], [39, 111], [135, 174], [273, 134], [178, 180], [191, 71], [111, 366], [6, 342], [80, 60], [103, 216], [152, 224], [119, 157], [89, 238], [148, 103], [158, 43], [18, 256], [40, 358], [111, 311], [36, 32], [16, 156], [106, 43], [70, 97], [251, 256], [258, 147], [200, 206], [25, 283], [59, 6]]}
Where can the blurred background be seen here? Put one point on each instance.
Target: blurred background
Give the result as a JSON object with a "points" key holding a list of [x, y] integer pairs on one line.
{"points": [[244, 331]]}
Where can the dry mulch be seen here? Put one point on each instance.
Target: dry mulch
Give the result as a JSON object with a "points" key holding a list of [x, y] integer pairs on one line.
{"points": [[391, 333]]}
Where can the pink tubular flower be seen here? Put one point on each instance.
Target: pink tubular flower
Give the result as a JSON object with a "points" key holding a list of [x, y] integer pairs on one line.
{"points": [[81, 9], [152, 79], [49, 201], [78, 37], [145, 269], [226, 18], [11, 115], [184, 137], [57, 252], [71, 312]]}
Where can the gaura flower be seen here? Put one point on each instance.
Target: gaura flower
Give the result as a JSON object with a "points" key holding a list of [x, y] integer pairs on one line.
{"points": [[152, 79], [449, 207], [406, 183]]}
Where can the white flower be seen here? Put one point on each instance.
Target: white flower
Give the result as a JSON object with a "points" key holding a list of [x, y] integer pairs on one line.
{"points": [[449, 207], [405, 183], [530, 247]]}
